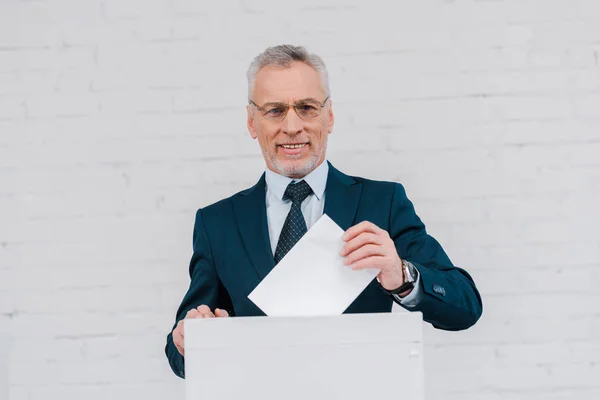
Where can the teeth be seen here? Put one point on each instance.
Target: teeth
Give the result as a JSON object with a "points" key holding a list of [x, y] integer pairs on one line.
{"points": [[293, 146]]}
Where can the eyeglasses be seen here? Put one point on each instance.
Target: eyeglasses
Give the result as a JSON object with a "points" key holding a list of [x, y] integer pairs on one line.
{"points": [[306, 109]]}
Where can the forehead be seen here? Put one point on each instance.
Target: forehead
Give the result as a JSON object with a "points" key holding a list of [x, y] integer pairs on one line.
{"points": [[299, 81]]}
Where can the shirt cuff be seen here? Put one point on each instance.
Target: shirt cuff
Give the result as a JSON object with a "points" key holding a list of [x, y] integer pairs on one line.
{"points": [[412, 299]]}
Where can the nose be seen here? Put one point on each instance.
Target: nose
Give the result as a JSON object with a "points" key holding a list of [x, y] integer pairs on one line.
{"points": [[292, 124]]}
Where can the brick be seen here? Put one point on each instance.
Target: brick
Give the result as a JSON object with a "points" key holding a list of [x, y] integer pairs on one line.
{"points": [[76, 325], [95, 30], [530, 108], [523, 133], [56, 58], [88, 299], [187, 7], [27, 82], [6, 302], [140, 345], [5, 330], [587, 105], [510, 83], [114, 9], [43, 30], [530, 12], [131, 102], [98, 391], [45, 349], [61, 105], [574, 252], [493, 36], [12, 107], [544, 302], [117, 370]]}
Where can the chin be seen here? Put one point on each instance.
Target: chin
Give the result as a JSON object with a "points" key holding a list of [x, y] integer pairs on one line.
{"points": [[295, 168]]}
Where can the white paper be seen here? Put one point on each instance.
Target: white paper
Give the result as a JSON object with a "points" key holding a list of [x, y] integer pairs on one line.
{"points": [[312, 279]]}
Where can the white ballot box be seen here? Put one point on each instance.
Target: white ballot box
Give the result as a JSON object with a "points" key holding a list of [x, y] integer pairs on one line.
{"points": [[350, 356]]}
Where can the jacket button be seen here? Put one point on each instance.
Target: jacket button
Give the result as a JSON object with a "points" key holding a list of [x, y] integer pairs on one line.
{"points": [[439, 290]]}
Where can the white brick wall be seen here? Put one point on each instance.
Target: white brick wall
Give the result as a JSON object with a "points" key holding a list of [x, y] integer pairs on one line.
{"points": [[119, 118]]}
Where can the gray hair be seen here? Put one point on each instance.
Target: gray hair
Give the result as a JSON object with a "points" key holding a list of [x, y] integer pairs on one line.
{"points": [[283, 56]]}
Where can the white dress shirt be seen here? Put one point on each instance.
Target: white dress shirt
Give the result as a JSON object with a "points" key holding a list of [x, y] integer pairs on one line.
{"points": [[312, 209]]}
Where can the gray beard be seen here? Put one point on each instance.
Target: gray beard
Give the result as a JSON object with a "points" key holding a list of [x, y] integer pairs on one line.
{"points": [[296, 171]]}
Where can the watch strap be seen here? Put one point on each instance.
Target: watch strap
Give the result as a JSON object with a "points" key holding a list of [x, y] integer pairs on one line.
{"points": [[409, 280]]}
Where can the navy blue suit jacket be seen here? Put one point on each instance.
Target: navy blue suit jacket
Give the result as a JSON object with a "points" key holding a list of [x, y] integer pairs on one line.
{"points": [[232, 254]]}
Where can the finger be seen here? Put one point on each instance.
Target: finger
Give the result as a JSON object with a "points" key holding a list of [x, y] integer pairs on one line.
{"points": [[204, 309], [205, 312], [221, 313], [365, 226], [179, 329], [357, 230], [178, 341], [178, 338], [368, 262], [193, 313], [180, 349], [359, 241], [365, 251]]}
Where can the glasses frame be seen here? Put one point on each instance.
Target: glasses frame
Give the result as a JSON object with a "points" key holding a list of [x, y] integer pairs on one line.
{"points": [[287, 109]]}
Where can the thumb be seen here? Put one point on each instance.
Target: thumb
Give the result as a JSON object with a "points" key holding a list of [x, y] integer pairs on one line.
{"points": [[221, 313]]}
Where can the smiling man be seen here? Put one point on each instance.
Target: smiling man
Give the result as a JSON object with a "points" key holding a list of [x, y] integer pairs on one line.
{"points": [[238, 240]]}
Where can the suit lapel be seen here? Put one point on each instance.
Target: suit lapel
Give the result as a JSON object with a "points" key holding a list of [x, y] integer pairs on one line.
{"points": [[341, 198], [251, 214]]}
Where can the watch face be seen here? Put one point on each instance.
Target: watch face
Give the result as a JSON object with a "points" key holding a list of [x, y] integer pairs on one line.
{"points": [[412, 271]]}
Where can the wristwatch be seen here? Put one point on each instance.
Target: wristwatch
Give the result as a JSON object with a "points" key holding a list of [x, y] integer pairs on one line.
{"points": [[410, 277]]}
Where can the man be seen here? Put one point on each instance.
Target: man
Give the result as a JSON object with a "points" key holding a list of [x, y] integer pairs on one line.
{"points": [[238, 240]]}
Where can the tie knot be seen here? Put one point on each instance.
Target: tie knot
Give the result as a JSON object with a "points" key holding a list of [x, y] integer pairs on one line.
{"points": [[297, 192]]}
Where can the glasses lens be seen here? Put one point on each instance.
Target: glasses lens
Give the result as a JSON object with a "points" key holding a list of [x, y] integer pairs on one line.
{"points": [[275, 111], [308, 109]]}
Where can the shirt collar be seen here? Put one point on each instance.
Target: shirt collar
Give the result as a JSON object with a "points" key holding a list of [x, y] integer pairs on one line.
{"points": [[317, 180]]}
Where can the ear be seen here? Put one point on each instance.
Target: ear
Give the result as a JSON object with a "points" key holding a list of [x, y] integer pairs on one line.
{"points": [[330, 116], [251, 127]]}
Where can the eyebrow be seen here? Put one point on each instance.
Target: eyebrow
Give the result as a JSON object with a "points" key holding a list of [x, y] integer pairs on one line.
{"points": [[299, 101]]}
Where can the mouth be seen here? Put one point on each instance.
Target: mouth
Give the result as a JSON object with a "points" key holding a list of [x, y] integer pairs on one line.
{"points": [[293, 148]]}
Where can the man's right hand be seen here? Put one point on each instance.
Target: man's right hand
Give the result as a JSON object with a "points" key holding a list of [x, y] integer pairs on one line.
{"points": [[202, 311]]}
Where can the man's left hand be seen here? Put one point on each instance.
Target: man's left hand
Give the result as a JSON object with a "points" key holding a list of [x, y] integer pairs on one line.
{"points": [[369, 246]]}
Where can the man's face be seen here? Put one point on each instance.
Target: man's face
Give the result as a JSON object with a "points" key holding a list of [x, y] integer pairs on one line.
{"points": [[308, 136]]}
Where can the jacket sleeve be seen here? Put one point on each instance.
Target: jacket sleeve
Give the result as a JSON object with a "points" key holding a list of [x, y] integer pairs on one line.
{"points": [[449, 299], [205, 288]]}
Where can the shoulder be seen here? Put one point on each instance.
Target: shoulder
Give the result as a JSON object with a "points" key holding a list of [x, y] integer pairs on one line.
{"points": [[217, 208], [223, 208], [380, 188]]}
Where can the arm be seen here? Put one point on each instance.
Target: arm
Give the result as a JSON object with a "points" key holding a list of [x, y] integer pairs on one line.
{"points": [[446, 294], [205, 288]]}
